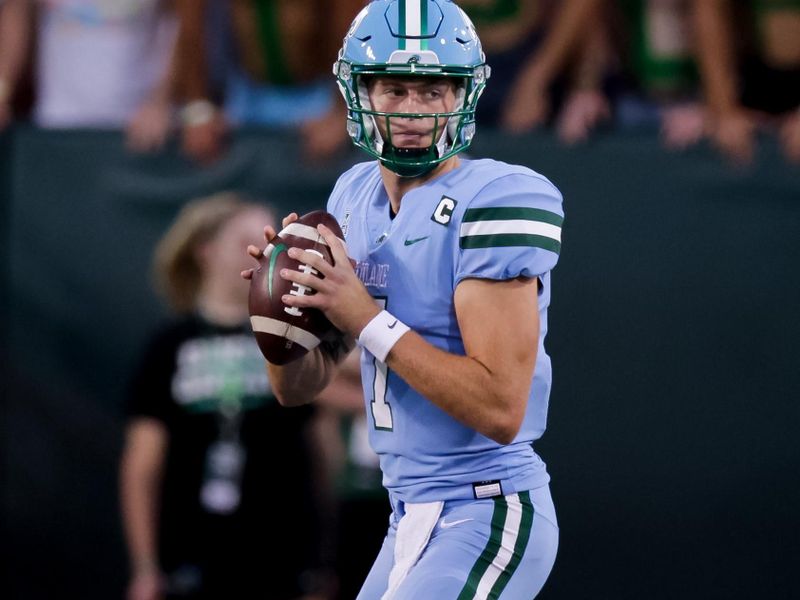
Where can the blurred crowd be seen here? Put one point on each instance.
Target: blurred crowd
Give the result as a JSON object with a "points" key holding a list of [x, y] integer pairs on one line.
{"points": [[196, 70]]}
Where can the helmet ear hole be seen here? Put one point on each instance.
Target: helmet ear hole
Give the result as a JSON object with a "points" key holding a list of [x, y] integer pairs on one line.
{"points": [[453, 123], [371, 131]]}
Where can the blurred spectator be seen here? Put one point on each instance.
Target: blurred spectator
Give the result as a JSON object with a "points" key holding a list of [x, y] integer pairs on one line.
{"points": [[749, 54], [511, 32], [216, 485], [278, 71], [637, 56], [530, 45], [585, 104], [361, 505], [14, 43], [655, 81], [99, 64]]}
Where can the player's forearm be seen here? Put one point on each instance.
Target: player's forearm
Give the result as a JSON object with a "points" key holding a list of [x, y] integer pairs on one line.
{"points": [[345, 394], [301, 381], [492, 403]]}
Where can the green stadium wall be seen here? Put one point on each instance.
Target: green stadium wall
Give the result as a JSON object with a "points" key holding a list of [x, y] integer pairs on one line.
{"points": [[673, 440]]}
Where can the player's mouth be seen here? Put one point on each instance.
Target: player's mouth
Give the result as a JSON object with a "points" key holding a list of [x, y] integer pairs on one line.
{"points": [[410, 140]]}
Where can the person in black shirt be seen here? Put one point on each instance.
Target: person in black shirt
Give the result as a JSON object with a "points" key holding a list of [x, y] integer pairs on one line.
{"points": [[216, 477]]}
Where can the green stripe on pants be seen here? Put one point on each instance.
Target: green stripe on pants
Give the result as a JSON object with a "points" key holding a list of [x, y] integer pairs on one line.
{"points": [[489, 552], [519, 548]]}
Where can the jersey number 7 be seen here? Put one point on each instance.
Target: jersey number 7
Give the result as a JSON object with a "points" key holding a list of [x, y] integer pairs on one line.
{"points": [[381, 410]]}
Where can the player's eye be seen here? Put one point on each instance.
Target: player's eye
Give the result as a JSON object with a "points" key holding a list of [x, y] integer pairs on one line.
{"points": [[436, 93]]}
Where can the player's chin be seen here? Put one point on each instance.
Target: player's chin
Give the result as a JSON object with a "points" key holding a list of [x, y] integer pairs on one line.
{"points": [[411, 141]]}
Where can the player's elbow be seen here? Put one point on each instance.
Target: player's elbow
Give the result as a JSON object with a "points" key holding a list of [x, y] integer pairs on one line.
{"points": [[291, 398], [296, 390], [291, 386], [286, 391], [507, 423], [505, 433]]}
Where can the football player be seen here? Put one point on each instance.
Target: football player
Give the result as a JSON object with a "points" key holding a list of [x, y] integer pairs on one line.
{"points": [[448, 301]]}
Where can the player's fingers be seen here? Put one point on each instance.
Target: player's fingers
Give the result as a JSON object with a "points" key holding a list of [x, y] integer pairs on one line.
{"points": [[302, 300], [269, 232], [254, 251], [302, 278], [304, 296], [312, 259], [290, 218], [336, 245], [247, 274]]}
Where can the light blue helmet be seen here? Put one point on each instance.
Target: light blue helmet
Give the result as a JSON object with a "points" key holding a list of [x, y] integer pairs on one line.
{"points": [[411, 38]]}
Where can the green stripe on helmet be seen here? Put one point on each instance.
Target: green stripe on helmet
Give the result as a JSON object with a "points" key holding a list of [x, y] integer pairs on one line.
{"points": [[401, 7], [423, 30]]}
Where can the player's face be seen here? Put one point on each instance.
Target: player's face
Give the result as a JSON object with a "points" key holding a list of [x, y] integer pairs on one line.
{"points": [[412, 95]]}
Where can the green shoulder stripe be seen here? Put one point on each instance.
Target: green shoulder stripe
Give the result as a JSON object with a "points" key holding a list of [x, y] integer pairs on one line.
{"points": [[510, 239], [508, 213]]}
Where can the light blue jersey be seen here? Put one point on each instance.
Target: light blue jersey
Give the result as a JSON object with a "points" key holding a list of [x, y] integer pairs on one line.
{"points": [[487, 220]]}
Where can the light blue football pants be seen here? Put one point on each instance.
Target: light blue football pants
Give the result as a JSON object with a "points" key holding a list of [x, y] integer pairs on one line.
{"points": [[499, 548]]}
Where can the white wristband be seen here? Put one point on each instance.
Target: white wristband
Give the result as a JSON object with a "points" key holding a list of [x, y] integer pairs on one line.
{"points": [[381, 334]]}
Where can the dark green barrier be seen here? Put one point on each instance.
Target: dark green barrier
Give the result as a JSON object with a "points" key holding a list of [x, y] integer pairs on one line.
{"points": [[5, 208], [673, 431]]}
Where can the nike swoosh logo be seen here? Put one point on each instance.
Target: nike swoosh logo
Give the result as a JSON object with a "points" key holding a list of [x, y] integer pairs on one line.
{"points": [[415, 240], [392, 325], [272, 259], [445, 525]]}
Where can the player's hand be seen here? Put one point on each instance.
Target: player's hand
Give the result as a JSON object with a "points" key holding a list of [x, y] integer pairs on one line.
{"points": [[790, 137], [340, 294], [269, 234]]}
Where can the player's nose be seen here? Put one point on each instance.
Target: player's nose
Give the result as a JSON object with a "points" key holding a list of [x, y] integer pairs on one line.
{"points": [[412, 103]]}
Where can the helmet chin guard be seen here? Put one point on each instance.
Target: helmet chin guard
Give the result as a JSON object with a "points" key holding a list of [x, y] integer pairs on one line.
{"points": [[411, 38]]}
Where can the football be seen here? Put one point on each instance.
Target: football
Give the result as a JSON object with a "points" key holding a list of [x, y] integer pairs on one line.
{"points": [[286, 333]]}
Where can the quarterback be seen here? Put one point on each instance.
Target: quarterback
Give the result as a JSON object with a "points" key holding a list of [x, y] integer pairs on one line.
{"points": [[448, 302]]}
